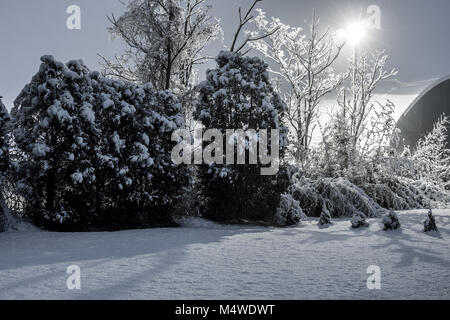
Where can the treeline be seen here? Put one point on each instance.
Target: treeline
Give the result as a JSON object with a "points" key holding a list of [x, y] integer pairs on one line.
{"points": [[88, 151], [85, 152]]}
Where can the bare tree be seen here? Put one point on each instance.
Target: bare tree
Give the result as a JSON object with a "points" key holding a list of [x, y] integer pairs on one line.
{"points": [[356, 101], [165, 41], [243, 20], [361, 129], [304, 63]]}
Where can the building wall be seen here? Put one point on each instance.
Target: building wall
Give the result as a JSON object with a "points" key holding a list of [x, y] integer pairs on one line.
{"points": [[419, 119]]}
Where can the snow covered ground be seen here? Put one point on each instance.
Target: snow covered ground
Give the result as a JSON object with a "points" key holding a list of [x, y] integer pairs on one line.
{"points": [[203, 260]]}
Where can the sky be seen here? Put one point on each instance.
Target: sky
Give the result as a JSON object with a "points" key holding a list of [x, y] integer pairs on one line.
{"points": [[414, 34]]}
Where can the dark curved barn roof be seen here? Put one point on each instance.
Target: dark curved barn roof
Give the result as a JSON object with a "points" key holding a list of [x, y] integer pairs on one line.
{"points": [[424, 111]]}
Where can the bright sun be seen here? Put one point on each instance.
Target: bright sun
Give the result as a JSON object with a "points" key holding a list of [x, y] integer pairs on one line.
{"points": [[354, 33]]}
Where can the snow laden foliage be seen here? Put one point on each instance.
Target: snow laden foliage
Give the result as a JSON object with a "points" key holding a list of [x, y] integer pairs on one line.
{"points": [[359, 221], [338, 196], [401, 193], [289, 213], [237, 94], [93, 153], [304, 60], [430, 223], [361, 144], [325, 218], [432, 156], [410, 180], [390, 221]]}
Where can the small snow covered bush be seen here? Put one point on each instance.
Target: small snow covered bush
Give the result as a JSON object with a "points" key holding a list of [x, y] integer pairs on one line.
{"points": [[236, 95], [325, 218], [359, 221], [430, 223], [390, 221], [289, 213]]}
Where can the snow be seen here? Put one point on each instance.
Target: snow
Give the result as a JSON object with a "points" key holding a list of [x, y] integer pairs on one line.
{"points": [[107, 103], [56, 111], [87, 113], [118, 143], [77, 177], [203, 260], [40, 150], [146, 139]]}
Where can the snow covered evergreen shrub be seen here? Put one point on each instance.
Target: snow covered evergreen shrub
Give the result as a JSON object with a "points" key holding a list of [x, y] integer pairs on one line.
{"points": [[44, 132], [339, 196], [94, 153], [325, 217], [134, 153], [359, 221], [238, 95], [390, 221], [430, 223], [289, 213]]}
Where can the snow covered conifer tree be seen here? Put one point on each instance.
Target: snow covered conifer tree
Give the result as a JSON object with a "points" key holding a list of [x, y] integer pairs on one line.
{"points": [[289, 213], [325, 217], [140, 182], [82, 185], [390, 221], [157, 118], [238, 95], [430, 223]]}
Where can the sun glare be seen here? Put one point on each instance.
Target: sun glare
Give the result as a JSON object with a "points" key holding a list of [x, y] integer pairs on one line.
{"points": [[355, 33]]}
